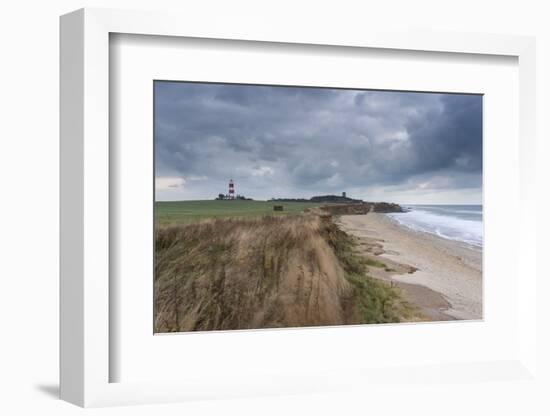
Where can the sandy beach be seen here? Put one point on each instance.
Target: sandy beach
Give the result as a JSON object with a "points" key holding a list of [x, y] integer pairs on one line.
{"points": [[441, 277]]}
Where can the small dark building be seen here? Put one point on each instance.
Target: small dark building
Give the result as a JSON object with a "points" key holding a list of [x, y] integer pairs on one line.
{"points": [[277, 207]]}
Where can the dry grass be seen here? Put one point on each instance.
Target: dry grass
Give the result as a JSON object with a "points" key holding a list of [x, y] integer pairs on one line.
{"points": [[241, 273]]}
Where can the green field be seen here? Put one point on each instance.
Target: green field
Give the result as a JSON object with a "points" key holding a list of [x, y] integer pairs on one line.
{"points": [[182, 212]]}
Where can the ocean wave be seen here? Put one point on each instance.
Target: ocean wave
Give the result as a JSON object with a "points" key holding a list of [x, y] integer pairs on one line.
{"points": [[442, 224], [469, 210]]}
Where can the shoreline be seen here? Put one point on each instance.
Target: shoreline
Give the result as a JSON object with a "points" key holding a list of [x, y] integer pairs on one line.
{"points": [[442, 277]]}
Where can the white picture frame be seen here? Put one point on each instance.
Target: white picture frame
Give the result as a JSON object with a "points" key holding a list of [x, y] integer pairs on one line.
{"points": [[86, 356]]}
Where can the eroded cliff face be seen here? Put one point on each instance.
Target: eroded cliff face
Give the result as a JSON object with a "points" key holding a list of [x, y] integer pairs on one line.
{"points": [[361, 208], [384, 207], [265, 272]]}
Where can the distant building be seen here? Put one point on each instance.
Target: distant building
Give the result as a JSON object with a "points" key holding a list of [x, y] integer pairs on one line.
{"points": [[343, 194]]}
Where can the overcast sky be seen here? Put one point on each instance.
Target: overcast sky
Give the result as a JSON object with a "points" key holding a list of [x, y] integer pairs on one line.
{"points": [[299, 142]]}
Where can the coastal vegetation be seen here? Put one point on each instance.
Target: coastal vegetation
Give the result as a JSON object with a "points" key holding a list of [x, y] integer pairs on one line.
{"points": [[289, 269], [184, 212]]}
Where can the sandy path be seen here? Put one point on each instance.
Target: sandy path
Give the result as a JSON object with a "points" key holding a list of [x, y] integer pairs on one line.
{"points": [[448, 281]]}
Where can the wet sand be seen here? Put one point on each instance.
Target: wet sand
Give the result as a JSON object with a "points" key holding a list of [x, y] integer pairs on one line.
{"points": [[441, 277]]}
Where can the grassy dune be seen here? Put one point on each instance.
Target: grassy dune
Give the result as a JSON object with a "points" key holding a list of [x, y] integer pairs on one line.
{"points": [[265, 272]]}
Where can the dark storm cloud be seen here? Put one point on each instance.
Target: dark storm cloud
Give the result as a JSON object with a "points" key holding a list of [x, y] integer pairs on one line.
{"points": [[285, 141]]}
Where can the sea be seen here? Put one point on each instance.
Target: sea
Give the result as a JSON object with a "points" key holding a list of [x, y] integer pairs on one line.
{"points": [[454, 222]]}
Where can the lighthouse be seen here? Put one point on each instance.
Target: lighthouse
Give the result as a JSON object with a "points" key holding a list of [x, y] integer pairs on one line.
{"points": [[231, 189]]}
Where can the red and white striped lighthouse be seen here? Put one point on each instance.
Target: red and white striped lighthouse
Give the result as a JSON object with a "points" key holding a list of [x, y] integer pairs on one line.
{"points": [[231, 189]]}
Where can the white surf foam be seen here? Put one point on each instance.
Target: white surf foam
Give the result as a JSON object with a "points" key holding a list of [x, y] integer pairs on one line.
{"points": [[443, 224]]}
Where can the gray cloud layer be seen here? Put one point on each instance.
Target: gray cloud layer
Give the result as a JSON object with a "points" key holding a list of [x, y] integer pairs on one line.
{"points": [[299, 142]]}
